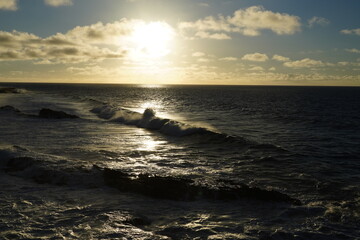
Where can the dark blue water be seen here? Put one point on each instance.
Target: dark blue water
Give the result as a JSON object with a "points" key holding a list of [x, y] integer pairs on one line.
{"points": [[202, 162]]}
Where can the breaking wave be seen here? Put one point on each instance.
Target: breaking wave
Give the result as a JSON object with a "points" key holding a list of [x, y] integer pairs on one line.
{"points": [[12, 90], [169, 127], [147, 120], [42, 168]]}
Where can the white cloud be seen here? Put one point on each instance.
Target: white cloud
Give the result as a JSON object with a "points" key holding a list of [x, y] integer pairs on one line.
{"points": [[58, 3], [304, 63], [83, 43], [8, 5], [250, 21], [318, 21], [228, 59], [280, 58], [256, 18], [256, 68], [353, 50], [203, 60], [198, 54], [255, 57], [100, 33], [356, 64], [351, 31], [216, 36]]}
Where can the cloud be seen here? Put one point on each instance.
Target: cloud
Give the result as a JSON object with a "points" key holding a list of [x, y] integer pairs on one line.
{"points": [[94, 42], [303, 79], [228, 59], [100, 33], [216, 36], [10, 5], [356, 64], [256, 18], [351, 31], [198, 54], [250, 22], [305, 63], [202, 4], [58, 3], [256, 68], [255, 57], [318, 21], [17, 39], [208, 24], [280, 58], [353, 50], [92, 71], [203, 60], [9, 55]]}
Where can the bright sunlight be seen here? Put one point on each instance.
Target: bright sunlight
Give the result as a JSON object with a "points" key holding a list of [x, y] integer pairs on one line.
{"points": [[152, 40]]}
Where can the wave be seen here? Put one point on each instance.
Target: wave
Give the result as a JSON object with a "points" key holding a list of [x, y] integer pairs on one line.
{"points": [[12, 90], [10, 109], [176, 188], [150, 121], [42, 168], [147, 120], [199, 135]]}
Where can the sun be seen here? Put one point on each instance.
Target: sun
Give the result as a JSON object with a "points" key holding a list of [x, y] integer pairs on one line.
{"points": [[152, 40]]}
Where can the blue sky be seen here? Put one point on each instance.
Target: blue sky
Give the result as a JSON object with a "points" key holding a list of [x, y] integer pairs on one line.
{"points": [[271, 42]]}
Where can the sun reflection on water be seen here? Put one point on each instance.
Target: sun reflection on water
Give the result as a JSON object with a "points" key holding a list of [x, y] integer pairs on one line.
{"points": [[155, 105], [148, 145]]}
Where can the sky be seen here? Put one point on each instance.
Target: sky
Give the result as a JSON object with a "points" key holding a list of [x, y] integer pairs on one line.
{"points": [[225, 42]]}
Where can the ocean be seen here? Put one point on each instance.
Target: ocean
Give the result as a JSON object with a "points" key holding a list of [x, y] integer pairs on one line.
{"points": [[82, 161]]}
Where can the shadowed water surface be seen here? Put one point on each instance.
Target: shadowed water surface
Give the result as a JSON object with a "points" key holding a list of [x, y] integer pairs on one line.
{"points": [[206, 162]]}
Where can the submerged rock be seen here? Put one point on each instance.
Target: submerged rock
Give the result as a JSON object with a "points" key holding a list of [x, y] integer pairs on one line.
{"points": [[48, 113], [44, 113]]}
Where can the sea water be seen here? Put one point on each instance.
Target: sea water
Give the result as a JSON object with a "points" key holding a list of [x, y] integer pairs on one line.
{"points": [[179, 162]]}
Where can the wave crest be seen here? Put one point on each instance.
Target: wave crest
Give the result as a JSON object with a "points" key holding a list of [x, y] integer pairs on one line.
{"points": [[147, 120], [12, 90], [49, 169]]}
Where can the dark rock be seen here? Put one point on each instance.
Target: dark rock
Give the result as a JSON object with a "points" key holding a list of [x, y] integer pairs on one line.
{"points": [[48, 113]]}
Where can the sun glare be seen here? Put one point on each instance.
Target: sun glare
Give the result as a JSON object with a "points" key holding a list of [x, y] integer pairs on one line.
{"points": [[152, 40]]}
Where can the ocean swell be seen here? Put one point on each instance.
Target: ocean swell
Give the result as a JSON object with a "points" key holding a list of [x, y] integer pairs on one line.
{"points": [[48, 169], [147, 120], [180, 189], [12, 90]]}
